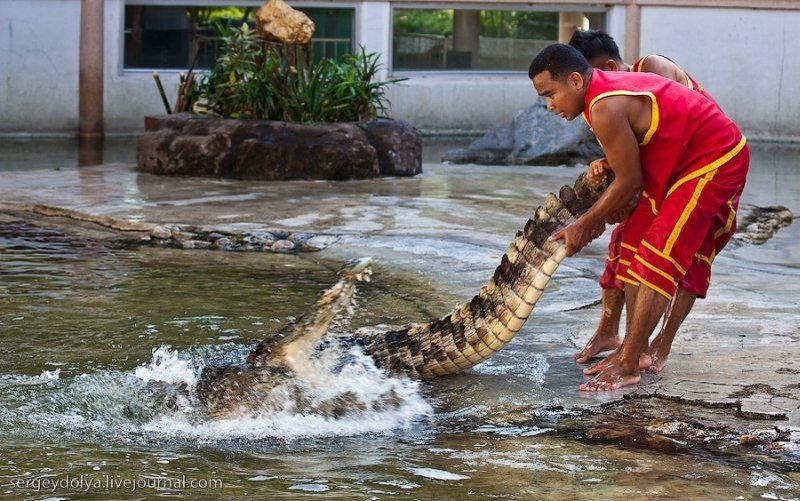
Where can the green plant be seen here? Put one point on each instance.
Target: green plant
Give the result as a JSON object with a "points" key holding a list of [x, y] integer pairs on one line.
{"points": [[248, 81]]}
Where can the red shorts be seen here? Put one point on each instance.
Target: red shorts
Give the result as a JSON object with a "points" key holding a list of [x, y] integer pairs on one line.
{"points": [[674, 244]]}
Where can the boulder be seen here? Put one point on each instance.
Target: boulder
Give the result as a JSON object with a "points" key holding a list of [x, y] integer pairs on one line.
{"points": [[191, 145], [278, 22], [398, 146], [292, 151], [535, 137], [283, 246]]}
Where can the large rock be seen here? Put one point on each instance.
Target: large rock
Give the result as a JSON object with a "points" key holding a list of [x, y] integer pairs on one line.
{"points": [[398, 145], [535, 137], [190, 145], [278, 22]]}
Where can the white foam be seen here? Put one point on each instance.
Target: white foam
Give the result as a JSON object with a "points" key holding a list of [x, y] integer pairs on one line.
{"points": [[158, 399], [517, 431], [762, 478], [18, 379], [169, 367], [402, 484], [310, 487], [317, 380], [533, 366], [437, 474]]}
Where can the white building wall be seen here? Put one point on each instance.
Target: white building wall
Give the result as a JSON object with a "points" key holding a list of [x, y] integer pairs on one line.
{"points": [[615, 25], [747, 59], [374, 30], [130, 95], [39, 65], [463, 103]]}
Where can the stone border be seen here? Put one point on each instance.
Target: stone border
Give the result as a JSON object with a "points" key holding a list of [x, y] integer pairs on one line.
{"points": [[191, 237]]}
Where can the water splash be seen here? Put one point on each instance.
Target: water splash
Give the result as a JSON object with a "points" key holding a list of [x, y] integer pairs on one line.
{"points": [[16, 379], [157, 400], [377, 403], [169, 367]]}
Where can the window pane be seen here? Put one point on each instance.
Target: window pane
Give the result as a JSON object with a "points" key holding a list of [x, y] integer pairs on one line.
{"points": [[163, 37], [488, 40]]}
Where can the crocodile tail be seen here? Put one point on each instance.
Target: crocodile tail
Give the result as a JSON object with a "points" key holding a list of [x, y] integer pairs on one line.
{"points": [[473, 332]]}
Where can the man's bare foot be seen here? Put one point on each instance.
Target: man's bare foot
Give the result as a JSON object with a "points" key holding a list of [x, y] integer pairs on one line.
{"points": [[657, 359], [610, 360], [610, 378], [600, 342], [645, 362]]}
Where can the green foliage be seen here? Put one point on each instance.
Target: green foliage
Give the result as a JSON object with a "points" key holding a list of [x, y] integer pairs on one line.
{"points": [[247, 82], [428, 22], [519, 24], [494, 23], [224, 15]]}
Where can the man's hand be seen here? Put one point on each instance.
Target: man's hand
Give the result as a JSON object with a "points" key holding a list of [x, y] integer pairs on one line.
{"points": [[577, 235], [598, 170]]}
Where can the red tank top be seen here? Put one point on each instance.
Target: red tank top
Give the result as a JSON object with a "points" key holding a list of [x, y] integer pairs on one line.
{"points": [[693, 85], [688, 135]]}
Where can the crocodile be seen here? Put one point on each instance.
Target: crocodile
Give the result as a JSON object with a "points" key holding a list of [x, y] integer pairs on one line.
{"points": [[467, 336]]}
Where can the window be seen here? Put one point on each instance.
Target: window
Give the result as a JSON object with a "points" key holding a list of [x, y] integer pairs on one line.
{"points": [[165, 37], [485, 40]]}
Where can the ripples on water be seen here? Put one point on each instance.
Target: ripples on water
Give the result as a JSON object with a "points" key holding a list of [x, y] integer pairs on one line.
{"points": [[104, 348], [157, 399]]}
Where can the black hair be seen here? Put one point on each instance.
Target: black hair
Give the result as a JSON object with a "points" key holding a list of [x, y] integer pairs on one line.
{"points": [[560, 60], [593, 43]]}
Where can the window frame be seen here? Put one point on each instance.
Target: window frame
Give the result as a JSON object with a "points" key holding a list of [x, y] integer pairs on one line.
{"points": [[402, 73], [122, 70]]}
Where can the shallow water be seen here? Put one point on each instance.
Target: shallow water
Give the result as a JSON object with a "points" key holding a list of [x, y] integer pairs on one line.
{"points": [[97, 340]]}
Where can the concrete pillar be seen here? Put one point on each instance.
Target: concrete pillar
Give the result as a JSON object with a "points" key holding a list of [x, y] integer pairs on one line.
{"points": [[595, 20], [90, 86], [568, 22], [374, 31], [467, 31], [633, 31], [90, 151], [615, 26]]}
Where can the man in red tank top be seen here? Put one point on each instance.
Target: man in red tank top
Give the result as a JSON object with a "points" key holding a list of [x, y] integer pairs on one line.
{"points": [[670, 142], [601, 51]]}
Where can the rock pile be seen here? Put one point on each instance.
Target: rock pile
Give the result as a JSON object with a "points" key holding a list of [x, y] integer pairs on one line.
{"points": [[190, 237]]}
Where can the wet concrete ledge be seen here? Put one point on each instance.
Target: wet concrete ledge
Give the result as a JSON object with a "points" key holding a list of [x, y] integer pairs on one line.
{"points": [[131, 234]]}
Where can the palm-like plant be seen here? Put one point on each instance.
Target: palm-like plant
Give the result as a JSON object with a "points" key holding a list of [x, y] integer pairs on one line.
{"points": [[248, 82]]}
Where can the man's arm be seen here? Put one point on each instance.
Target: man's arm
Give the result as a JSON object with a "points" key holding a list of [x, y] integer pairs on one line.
{"points": [[611, 125], [662, 66]]}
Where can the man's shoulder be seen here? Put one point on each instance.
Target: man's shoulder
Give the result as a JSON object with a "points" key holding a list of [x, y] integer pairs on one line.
{"points": [[658, 64], [626, 80]]}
